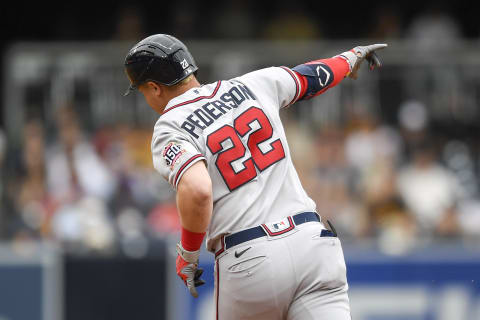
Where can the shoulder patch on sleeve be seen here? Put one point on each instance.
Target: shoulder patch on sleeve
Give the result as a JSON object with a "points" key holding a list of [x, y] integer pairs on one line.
{"points": [[171, 153]]}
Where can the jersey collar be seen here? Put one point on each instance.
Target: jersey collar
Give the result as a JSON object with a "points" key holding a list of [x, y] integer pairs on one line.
{"points": [[190, 96]]}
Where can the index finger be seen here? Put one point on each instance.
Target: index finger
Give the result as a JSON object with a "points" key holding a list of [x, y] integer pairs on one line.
{"points": [[377, 46]]}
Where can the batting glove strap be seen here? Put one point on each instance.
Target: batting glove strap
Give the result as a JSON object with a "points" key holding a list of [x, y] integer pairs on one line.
{"points": [[350, 57], [188, 256]]}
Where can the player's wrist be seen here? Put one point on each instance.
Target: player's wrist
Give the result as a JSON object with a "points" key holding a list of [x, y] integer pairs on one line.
{"points": [[191, 241], [186, 255], [350, 57]]}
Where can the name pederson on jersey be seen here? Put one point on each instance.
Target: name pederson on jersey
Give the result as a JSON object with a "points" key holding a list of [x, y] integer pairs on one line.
{"points": [[235, 127]]}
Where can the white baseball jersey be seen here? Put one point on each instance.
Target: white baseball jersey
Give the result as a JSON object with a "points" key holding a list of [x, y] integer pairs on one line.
{"points": [[235, 127]]}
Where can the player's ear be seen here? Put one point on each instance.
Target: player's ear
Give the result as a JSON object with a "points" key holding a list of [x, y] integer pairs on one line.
{"points": [[154, 87]]}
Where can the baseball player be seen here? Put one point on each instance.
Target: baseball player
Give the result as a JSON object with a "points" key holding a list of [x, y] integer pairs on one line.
{"points": [[223, 149]]}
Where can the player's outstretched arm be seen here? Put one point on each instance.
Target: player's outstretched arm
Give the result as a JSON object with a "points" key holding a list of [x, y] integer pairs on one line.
{"points": [[194, 202], [320, 75]]}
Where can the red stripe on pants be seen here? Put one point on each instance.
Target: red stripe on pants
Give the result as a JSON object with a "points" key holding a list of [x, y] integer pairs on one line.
{"points": [[218, 284]]}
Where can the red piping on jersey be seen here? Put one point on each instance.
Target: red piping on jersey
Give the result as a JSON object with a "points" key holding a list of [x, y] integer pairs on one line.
{"points": [[196, 99], [184, 166], [298, 87], [304, 84]]}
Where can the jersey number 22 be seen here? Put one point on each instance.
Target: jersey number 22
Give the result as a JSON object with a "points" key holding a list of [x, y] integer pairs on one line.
{"points": [[258, 158]]}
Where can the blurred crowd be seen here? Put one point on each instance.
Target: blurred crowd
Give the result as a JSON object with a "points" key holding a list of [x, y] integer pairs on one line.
{"points": [[98, 191], [398, 185], [430, 23], [89, 191], [404, 185]]}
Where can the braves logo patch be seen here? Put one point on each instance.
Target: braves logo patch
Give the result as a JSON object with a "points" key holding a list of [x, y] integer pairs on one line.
{"points": [[171, 153]]}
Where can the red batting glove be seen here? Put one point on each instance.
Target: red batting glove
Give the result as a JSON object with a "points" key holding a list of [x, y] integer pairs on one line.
{"points": [[187, 269]]}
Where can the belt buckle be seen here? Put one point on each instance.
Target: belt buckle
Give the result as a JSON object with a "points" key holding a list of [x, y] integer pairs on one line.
{"points": [[278, 228]]}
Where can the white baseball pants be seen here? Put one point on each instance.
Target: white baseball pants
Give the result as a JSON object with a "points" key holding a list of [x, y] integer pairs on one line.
{"points": [[295, 276]]}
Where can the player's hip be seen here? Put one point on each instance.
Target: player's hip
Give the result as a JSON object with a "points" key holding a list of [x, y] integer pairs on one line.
{"points": [[267, 273], [271, 231]]}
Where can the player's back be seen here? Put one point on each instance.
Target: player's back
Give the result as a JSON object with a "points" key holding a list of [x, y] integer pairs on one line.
{"points": [[235, 126]]}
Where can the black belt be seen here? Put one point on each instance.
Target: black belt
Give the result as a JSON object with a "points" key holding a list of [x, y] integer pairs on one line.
{"points": [[258, 232]]}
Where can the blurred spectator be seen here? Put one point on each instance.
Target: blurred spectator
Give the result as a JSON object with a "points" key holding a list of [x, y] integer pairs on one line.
{"points": [[320, 163], [434, 30], [394, 226], [469, 218], [32, 202], [332, 190], [131, 225], [431, 192], [164, 220], [126, 151], [458, 157], [142, 195], [73, 167], [373, 151], [301, 142], [413, 118], [81, 184], [436, 209], [370, 147], [84, 225]]}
